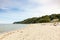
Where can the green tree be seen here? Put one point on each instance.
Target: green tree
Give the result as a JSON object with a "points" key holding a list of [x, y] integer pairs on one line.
{"points": [[43, 19]]}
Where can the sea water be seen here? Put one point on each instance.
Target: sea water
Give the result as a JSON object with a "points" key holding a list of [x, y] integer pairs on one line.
{"points": [[10, 27]]}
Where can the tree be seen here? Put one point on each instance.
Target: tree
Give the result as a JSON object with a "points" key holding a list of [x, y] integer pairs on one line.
{"points": [[43, 19]]}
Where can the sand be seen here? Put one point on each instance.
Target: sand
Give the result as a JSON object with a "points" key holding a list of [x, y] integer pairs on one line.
{"points": [[34, 32]]}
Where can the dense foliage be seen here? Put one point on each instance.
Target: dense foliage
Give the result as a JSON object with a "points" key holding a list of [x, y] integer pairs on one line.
{"points": [[43, 19]]}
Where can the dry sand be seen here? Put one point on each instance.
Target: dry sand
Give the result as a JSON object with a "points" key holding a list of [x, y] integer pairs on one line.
{"points": [[34, 32]]}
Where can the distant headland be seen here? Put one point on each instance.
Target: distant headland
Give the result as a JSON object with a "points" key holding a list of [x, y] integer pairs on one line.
{"points": [[43, 19]]}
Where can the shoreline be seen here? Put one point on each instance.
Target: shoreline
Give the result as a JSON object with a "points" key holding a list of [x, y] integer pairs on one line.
{"points": [[34, 32]]}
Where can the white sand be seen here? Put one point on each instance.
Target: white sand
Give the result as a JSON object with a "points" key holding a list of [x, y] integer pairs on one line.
{"points": [[34, 32]]}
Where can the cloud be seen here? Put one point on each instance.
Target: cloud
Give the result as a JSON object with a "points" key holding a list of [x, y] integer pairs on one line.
{"points": [[48, 6], [17, 10], [16, 5], [11, 9], [2, 10]]}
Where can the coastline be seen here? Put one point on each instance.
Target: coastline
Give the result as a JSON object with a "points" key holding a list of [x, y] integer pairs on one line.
{"points": [[44, 31]]}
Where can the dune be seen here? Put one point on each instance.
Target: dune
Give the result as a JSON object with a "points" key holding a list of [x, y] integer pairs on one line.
{"points": [[46, 31]]}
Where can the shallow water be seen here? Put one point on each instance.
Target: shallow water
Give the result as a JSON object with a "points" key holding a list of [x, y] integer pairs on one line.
{"points": [[10, 27]]}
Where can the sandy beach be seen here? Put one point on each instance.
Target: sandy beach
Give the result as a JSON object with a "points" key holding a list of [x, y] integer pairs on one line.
{"points": [[45, 31]]}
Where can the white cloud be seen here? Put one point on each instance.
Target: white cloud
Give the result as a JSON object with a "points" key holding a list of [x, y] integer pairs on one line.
{"points": [[32, 8], [49, 6]]}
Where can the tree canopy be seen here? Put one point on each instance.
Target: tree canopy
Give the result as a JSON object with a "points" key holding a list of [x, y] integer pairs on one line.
{"points": [[43, 19]]}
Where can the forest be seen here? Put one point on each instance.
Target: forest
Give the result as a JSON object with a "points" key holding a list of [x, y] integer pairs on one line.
{"points": [[43, 19]]}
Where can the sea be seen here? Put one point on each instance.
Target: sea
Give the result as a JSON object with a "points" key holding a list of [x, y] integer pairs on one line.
{"points": [[10, 27]]}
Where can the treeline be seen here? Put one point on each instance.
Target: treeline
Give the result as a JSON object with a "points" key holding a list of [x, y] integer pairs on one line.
{"points": [[43, 19]]}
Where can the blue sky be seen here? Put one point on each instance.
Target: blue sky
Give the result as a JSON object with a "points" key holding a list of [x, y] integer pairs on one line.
{"points": [[17, 10]]}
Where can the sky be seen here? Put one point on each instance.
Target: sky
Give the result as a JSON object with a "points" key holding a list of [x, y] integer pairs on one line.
{"points": [[18, 10]]}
